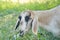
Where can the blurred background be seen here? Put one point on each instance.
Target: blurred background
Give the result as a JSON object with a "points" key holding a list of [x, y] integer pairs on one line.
{"points": [[9, 12]]}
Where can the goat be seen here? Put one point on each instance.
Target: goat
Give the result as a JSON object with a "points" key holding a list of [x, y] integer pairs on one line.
{"points": [[47, 19]]}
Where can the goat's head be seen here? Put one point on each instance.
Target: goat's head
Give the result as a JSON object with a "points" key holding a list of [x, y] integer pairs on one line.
{"points": [[27, 20]]}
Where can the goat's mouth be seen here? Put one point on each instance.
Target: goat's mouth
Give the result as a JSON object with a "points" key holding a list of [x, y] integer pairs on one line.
{"points": [[21, 33]]}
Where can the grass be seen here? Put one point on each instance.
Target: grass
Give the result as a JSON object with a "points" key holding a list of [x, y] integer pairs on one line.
{"points": [[8, 16]]}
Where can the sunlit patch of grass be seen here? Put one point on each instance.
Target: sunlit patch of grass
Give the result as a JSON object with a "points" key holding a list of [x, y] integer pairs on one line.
{"points": [[30, 5]]}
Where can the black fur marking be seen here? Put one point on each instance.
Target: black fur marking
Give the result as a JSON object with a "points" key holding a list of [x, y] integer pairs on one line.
{"points": [[27, 18], [17, 24], [31, 23], [20, 17]]}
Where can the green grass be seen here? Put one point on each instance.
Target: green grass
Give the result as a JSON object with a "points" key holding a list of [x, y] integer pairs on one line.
{"points": [[8, 16]]}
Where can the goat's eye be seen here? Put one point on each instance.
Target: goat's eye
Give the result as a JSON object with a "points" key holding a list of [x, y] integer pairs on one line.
{"points": [[27, 18], [20, 17]]}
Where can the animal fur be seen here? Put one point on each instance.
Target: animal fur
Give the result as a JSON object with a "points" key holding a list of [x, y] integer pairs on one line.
{"points": [[47, 19]]}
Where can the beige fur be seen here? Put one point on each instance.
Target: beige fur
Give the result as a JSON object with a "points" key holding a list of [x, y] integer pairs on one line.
{"points": [[47, 19]]}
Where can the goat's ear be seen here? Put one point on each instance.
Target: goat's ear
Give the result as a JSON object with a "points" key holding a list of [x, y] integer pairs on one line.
{"points": [[35, 26]]}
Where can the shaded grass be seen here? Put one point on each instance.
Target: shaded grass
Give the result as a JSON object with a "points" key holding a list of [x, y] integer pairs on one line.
{"points": [[9, 13]]}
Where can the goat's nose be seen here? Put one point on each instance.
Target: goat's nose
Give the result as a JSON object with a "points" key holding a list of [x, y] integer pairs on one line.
{"points": [[21, 33]]}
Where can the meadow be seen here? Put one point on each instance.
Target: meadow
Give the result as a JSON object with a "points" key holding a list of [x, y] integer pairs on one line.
{"points": [[9, 13]]}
